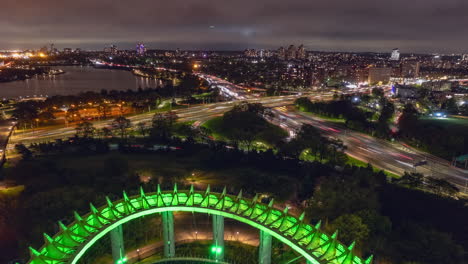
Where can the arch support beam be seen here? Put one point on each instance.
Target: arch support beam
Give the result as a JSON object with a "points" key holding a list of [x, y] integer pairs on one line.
{"points": [[264, 252], [218, 237], [117, 244], [168, 234], [71, 243]]}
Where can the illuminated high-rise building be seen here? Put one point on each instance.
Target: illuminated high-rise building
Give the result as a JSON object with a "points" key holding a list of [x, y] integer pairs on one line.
{"points": [[140, 49], [291, 53], [281, 53], [113, 49], [301, 52], [53, 49], [250, 53], [261, 53], [379, 74], [395, 55], [410, 69]]}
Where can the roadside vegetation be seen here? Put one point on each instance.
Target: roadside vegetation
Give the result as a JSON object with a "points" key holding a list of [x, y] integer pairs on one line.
{"points": [[245, 125], [371, 114], [446, 138], [392, 219]]}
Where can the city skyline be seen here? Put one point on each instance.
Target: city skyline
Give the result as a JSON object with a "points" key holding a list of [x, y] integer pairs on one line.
{"points": [[205, 25]]}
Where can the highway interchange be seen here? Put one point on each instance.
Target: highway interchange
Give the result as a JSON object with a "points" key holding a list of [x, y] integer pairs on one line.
{"points": [[393, 157]]}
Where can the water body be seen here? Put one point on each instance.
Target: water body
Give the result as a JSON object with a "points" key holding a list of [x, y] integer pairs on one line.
{"points": [[77, 79]]}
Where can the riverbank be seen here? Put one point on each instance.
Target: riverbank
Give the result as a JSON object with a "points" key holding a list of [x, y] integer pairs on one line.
{"points": [[12, 75], [75, 80]]}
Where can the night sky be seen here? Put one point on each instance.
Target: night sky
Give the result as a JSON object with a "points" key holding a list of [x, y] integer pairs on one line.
{"points": [[339, 25]]}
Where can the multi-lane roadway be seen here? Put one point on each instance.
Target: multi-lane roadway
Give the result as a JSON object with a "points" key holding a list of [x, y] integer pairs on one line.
{"points": [[195, 113], [394, 157]]}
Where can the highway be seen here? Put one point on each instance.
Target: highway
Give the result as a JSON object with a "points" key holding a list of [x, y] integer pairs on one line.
{"points": [[393, 157], [195, 113]]}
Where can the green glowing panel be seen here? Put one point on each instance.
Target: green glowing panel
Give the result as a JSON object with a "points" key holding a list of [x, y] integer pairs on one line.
{"points": [[71, 243]]}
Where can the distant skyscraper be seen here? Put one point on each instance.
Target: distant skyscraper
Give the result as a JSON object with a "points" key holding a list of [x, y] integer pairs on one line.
{"points": [[301, 52], [379, 74], [410, 69], [53, 49], [291, 53], [465, 57], [140, 49], [261, 53], [250, 53], [395, 55], [112, 49], [281, 53]]}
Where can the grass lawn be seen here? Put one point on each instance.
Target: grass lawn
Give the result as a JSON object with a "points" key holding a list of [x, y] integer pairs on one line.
{"points": [[358, 163], [214, 125], [455, 125], [270, 134], [12, 191], [331, 119]]}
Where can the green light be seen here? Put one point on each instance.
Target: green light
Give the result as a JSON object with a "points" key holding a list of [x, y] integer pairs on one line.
{"points": [[121, 261], [72, 242], [216, 249]]}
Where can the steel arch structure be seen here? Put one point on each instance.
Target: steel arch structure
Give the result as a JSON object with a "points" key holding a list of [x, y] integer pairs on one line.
{"points": [[72, 241]]}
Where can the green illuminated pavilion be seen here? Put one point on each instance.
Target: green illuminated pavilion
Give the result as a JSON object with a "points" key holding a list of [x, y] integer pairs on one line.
{"points": [[71, 243]]}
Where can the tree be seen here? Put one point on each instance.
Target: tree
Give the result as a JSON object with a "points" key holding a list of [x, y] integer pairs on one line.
{"points": [[73, 114], [103, 109], [441, 186], [451, 106], [171, 117], [85, 130], [408, 120], [423, 244], [25, 153], [121, 124], [106, 132], [378, 92], [412, 180], [46, 116], [25, 112], [352, 228], [245, 123], [162, 124], [309, 138], [351, 192], [141, 127]]}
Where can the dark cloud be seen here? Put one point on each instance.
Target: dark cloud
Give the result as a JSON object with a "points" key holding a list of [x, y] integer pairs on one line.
{"points": [[360, 25]]}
